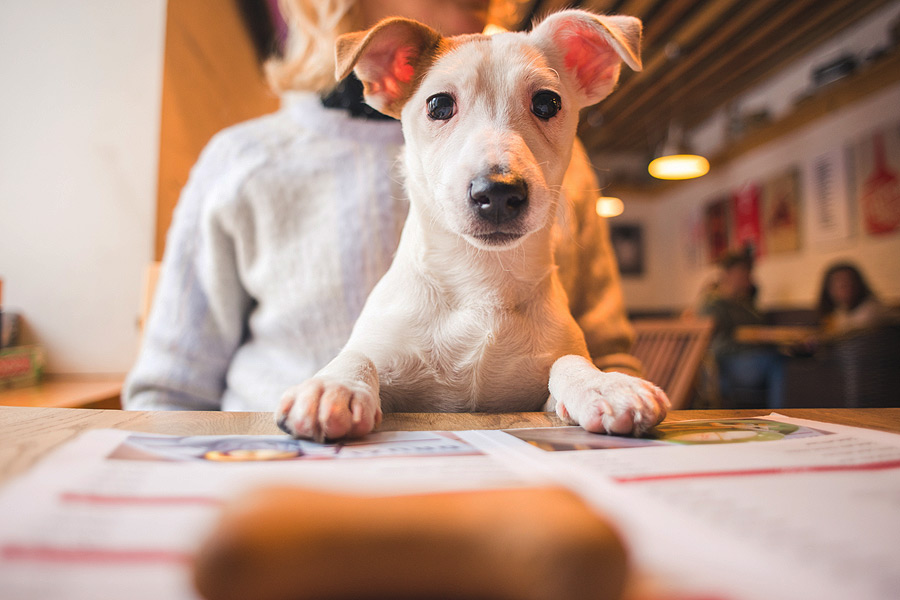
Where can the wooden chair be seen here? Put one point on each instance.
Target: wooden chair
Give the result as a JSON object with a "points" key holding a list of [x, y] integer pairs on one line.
{"points": [[151, 277], [672, 351]]}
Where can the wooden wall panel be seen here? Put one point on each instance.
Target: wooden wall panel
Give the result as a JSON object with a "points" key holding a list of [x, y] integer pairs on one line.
{"points": [[211, 80]]}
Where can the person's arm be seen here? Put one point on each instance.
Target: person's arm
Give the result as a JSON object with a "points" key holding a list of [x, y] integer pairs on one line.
{"points": [[588, 271], [718, 309], [200, 307]]}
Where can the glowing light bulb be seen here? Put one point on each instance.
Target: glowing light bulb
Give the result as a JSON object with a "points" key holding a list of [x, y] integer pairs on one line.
{"points": [[608, 206], [679, 166]]}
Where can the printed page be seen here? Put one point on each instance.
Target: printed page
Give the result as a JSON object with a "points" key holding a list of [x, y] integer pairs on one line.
{"points": [[791, 508], [116, 514], [749, 508]]}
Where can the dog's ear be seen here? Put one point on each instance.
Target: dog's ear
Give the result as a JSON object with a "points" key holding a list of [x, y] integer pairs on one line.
{"points": [[592, 48], [389, 59]]}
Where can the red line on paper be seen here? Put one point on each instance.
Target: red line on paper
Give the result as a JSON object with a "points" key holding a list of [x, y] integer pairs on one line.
{"points": [[76, 497], [52, 554], [875, 466]]}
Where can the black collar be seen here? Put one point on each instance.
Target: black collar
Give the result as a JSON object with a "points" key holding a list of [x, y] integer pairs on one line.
{"points": [[348, 95]]}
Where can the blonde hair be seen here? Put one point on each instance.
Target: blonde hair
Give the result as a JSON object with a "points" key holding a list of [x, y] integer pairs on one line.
{"points": [[313, 29]]}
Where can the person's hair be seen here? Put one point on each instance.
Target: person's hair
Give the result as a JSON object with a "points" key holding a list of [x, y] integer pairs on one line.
{"points": [[731, 259], [313, 28], [863, 291]]}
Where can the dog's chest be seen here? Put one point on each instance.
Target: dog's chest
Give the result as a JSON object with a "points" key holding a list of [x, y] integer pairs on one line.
{"points": [[473, 359]]}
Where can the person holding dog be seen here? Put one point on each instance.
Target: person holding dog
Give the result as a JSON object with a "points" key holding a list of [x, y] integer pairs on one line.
{"points": [[289, 220]]}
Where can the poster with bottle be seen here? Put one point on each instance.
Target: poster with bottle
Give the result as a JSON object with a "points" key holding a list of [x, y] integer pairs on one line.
{"points": [[876, 179]]}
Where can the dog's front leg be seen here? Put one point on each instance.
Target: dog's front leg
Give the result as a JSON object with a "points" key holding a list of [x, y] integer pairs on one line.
{"points": [[604, 402], [341, 400]]}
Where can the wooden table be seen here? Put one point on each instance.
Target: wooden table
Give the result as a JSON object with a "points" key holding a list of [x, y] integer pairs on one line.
{"points": [[27, 434], [781, 335]]}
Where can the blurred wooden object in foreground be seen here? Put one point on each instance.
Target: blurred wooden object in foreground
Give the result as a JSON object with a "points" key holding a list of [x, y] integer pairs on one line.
{"points": [[528, 544]]}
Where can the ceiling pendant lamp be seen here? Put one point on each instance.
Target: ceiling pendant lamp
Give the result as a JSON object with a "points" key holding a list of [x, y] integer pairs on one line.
{"points": [[674, 161], [609, 206]]}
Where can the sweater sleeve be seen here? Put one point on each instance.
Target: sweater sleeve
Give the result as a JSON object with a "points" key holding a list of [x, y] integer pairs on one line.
{"points": [[589, 273], [200, 307]]}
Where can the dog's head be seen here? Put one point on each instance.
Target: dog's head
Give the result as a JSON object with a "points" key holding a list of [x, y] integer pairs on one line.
{"points": [[489, 122]]}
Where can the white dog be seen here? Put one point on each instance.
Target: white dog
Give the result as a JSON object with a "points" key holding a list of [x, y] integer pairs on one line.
{"points": [[471, 315]]}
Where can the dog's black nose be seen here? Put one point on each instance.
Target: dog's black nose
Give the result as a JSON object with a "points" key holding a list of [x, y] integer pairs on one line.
{"points": [[498, 197]]}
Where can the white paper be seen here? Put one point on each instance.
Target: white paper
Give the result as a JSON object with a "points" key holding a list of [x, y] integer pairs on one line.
{"points": [[804, 510]]}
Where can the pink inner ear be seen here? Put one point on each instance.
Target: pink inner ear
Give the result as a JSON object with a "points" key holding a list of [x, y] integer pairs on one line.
{"points": [[402, 68], [590, 58], [394, 75]]}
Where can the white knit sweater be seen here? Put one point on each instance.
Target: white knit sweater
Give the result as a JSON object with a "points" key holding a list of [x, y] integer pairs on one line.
{"points": [[285, 225]]}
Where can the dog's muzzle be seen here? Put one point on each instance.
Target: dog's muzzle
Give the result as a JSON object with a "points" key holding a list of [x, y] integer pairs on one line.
{"points": [[498, 198]]}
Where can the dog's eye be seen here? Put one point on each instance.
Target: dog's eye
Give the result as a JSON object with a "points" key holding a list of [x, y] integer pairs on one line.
{"points": [[441, 107], [545, 104]]}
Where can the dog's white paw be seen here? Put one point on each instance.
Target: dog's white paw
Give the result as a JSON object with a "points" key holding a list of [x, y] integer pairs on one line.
{"points": [[321, 409], [605, 402]]}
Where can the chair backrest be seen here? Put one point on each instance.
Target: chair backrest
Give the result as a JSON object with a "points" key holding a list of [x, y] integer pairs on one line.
{"points": [[672, 351], [868, 362]]}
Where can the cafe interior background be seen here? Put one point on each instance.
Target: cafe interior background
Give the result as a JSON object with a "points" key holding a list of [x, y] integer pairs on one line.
{"points": [[796, 105]]}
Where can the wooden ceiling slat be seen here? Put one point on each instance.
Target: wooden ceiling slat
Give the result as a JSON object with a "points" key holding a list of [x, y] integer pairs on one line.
{"points": [[598, 6], [636, 8], [657, 105], [670, 11], [719, 80], [721, 49], [686, 36], [761, 45], [545, 7], [780, 50]]}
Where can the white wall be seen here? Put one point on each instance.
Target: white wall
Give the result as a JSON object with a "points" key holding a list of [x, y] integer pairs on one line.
{"points": [[79, 116], [672, 281]]}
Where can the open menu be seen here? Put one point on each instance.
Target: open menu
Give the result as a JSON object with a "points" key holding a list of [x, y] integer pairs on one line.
{"points": [[769, 507]]}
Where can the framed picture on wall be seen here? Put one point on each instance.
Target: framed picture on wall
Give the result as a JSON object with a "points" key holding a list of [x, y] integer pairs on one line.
{"points": [[628, 246], [829, 208], [875, 161], [781, 211]]}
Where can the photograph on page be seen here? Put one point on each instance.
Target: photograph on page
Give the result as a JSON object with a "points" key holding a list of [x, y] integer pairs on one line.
{"points": [[256, 448], [698, 432]]}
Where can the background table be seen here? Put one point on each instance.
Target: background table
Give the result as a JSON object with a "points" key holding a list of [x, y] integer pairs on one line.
{"points": [[72, 391], [780, 335], [27, 434]]}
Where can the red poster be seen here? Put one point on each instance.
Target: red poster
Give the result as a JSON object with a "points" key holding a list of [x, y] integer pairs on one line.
{"points": [[717, 228], [747, 228]]}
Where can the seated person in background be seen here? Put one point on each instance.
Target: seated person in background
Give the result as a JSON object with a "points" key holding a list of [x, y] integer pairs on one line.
{"points": [[846, 302], [731, 304], [288, 221]]}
